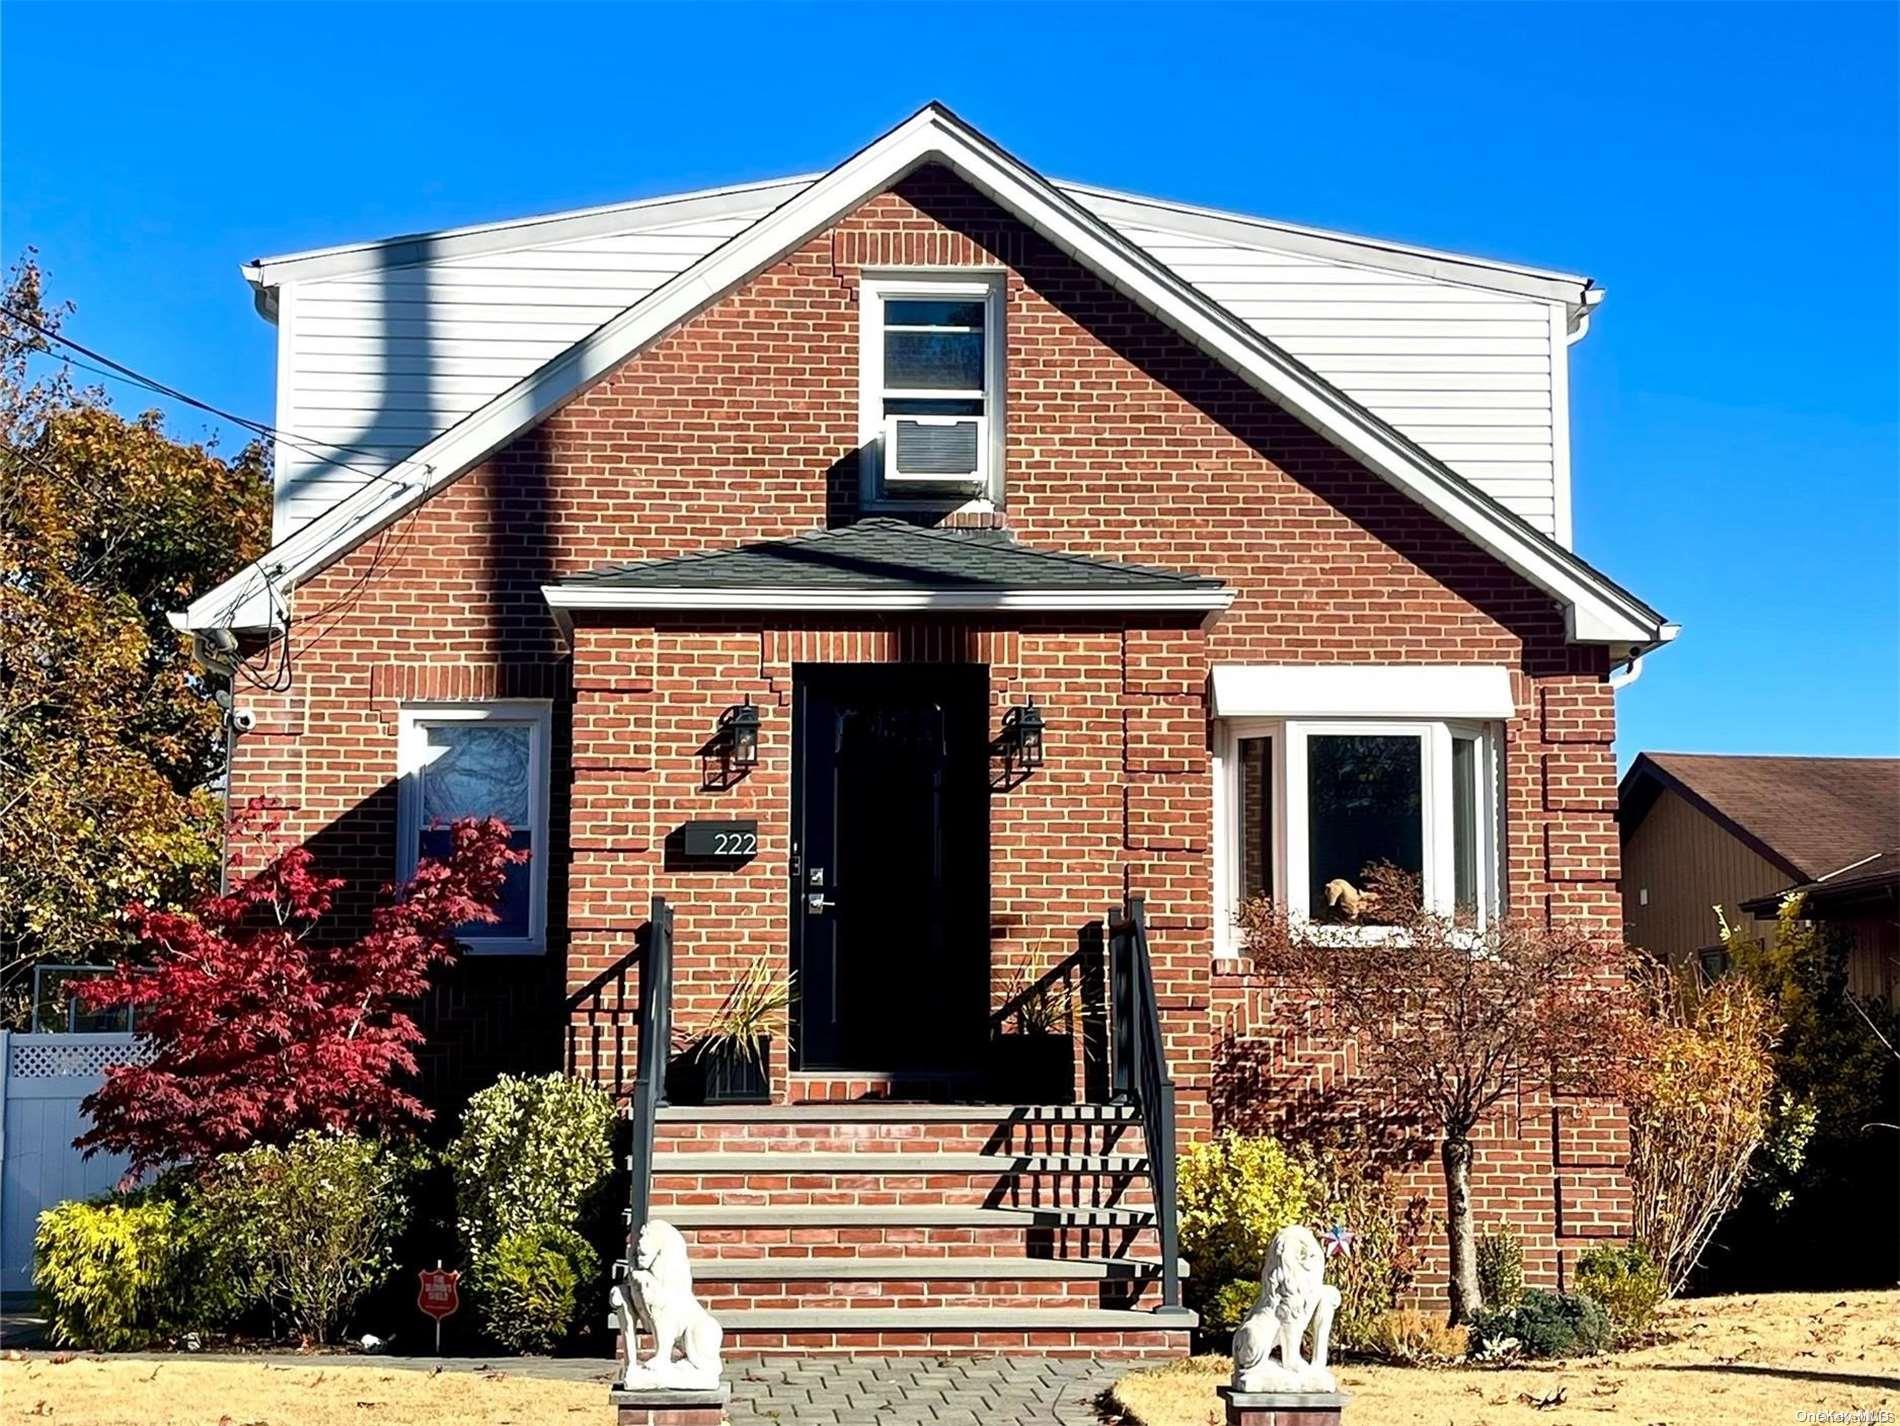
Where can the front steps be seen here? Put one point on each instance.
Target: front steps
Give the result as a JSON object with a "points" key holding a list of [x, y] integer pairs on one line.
{"points": [[919, 1228]]}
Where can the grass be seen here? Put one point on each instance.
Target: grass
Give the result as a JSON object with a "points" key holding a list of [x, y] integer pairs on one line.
{"points": [[1736, 1359], [51, 1388], [1729, 1359]]}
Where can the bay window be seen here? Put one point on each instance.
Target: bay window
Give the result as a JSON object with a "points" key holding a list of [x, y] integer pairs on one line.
{"points": [[1305, 808], [479, 760]]}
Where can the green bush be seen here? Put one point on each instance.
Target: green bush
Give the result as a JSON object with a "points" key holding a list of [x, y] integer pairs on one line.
{"points": [[1626, 1280], [530, 1153], [312, 1226], [1500, 1268], [1237, 1191], [1545, 1324], [109, 1271], [1222, 1309], [529, 1286]]}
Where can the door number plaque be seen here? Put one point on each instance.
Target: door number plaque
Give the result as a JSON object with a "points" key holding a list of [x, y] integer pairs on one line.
{"points": [[721, 841]]}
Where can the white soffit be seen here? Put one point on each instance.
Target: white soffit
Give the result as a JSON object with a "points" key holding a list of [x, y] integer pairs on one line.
{"points": [[1363, 691]]}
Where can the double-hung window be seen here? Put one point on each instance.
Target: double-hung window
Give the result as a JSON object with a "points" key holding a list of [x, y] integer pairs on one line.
{"points": [[480, 760], [1304, 806], [931, 389]]}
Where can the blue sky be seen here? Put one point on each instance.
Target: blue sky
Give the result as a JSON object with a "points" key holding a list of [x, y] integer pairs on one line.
{"points": [[1729, 174]]}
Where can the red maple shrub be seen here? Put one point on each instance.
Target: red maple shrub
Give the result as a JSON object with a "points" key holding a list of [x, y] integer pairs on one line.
{"points": [[259, 1027]]}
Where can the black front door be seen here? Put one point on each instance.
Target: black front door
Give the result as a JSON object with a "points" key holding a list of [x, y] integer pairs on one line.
{"points": [[890, 866]]}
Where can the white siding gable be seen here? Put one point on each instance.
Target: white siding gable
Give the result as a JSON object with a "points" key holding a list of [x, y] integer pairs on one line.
{"points": [[374, 361], [1471, 375], [376, 364]]}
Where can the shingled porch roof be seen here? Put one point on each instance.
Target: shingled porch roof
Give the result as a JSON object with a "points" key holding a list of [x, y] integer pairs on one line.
{"points": [[884, 564]]}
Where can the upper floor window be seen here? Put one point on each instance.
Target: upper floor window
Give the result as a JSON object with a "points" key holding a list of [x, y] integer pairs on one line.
{"points": [[1304, 809], [480, 760], [932, 389]]}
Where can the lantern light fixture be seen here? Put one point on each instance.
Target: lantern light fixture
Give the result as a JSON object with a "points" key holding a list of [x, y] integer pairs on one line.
{"points": [[1021, 743], [733, 749], [738, 736]]}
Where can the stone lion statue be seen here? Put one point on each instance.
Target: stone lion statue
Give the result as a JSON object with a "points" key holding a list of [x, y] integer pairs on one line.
{"points": [[1293, 1295], [659, 1291]]}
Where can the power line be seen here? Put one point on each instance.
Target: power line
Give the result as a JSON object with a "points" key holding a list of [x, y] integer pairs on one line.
{"points": [[313, 446]]}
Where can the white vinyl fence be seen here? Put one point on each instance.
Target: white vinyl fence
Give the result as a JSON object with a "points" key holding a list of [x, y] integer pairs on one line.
{"points": [[42, 1080]]}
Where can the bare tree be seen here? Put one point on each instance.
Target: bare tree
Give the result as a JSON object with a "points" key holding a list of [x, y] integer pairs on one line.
{"points": [[1454, 1015]]}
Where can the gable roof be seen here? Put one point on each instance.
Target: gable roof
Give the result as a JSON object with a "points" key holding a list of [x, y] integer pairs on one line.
{"points": [[1597, 610], [1809, 816], [889, 564], [1578, 293]]}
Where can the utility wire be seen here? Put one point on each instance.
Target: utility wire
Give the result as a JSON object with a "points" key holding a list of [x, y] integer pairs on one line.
{"points": [[116, 370], [277, 676]]}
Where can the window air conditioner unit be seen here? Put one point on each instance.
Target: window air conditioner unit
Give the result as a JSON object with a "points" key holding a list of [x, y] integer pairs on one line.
{"points": [[935, 450]]}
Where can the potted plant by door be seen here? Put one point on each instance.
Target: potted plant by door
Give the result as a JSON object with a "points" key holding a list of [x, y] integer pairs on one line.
{"points": [[732, 1053], [1032, 1058]]}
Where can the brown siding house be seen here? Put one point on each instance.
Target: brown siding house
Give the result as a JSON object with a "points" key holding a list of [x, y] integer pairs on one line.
{"points": [[1702, 831]]}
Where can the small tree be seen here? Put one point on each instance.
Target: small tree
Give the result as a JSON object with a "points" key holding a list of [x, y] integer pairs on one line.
{"points": [[1698, 1078], [109, 738], [1453, 1016], [259, 1028]]}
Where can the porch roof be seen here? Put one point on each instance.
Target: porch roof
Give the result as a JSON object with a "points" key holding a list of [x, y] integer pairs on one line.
{"points": [[890, 564]]}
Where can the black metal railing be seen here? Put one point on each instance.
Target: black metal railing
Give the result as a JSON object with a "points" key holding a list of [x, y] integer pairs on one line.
{"points": [[656, 1040], [1140, 1067]]}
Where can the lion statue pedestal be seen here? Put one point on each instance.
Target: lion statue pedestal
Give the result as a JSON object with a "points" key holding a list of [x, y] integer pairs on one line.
{"points": [[1294, 1296], [678, 1382]]}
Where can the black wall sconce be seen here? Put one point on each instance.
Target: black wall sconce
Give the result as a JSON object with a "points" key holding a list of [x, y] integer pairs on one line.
{"points": [[1020, 746], [733, 749]]}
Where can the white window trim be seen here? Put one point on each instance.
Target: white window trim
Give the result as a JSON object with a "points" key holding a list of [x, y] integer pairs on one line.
{"points": [[873, 290], [1289, 822], [412, 720]]}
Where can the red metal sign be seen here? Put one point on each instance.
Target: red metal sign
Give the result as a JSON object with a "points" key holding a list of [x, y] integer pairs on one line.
{"points": [[438, 1297]]}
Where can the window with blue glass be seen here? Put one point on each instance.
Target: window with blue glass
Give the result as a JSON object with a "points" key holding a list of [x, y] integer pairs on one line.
{"points": [[481, 760]]}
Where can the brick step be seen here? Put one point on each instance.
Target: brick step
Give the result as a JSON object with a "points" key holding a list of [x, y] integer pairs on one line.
{"points": [[811, 1179], [913, 1230], [896, 1111], [778, 1163], [951, 1191], [837, 1243], [923, 1215], [873, 1269], [1048, 1331], [921, 1293], [901, 1128]]}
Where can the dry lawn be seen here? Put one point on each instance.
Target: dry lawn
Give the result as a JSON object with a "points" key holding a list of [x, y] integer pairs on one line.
{"points": [[1729, 1360], [62, 1389]]}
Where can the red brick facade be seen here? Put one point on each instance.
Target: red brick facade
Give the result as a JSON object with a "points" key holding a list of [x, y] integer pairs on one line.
{"points": [[1123, 441]]}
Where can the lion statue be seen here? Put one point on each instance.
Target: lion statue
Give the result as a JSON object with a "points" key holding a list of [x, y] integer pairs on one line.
{"points": [[1293, 1295], [659, 1291]]}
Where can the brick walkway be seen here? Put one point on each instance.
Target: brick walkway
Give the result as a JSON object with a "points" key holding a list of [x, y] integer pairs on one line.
{"points": [[918, 1391]]}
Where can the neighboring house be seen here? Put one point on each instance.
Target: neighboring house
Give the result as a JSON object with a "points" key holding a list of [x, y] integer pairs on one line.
{"points": [[1063, 545], [1702, 830]]}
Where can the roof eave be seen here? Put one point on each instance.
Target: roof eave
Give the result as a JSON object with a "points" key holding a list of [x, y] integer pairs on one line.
{"points": [[606, 597]]}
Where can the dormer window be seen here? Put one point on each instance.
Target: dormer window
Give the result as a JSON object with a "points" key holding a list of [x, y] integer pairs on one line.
{"points": [[932, 385]]}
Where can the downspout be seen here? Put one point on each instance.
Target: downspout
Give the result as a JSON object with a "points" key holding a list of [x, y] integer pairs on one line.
{"points": [[1622, 678]]}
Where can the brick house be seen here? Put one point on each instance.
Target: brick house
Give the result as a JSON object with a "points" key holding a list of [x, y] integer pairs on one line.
{"points": [[1268, 528]]}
